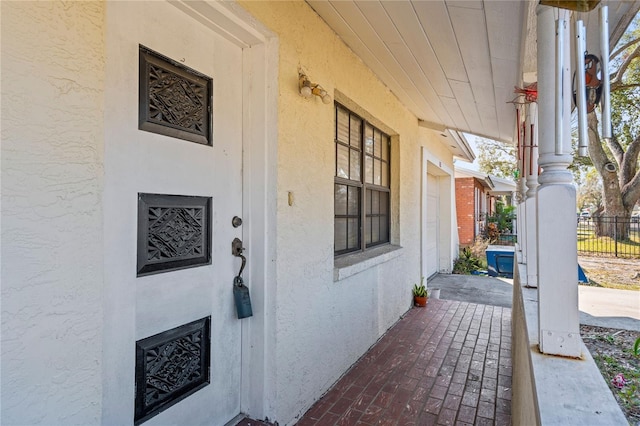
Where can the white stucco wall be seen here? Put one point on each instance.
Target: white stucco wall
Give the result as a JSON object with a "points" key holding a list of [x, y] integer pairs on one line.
{"points": [[52, 156], [323, 325]]}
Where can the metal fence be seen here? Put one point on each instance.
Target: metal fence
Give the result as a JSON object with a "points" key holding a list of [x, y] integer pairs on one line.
{"points": [[506, 240], [609, 236]]}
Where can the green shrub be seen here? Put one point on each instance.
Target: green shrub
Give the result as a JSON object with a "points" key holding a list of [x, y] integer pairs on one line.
{"points": [[466, 263], [503, 218], [479, 250]]}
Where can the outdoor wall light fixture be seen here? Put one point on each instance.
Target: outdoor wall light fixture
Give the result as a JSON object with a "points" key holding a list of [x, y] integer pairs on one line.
{"points": [[308, 89]]}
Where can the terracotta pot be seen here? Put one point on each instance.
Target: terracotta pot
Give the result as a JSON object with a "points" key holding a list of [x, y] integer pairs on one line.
{"points": [[420, 301]]}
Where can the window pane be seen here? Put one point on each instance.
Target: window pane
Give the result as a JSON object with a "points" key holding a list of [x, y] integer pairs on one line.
{"points": [[340, 234], [375, 229], [377, 145], [368, 169], [384, 203], [375, 202], [356, 126], [352, 234], [355, 165], [377, 176], [385, 148], [342, 162], [384, 230], [385, 174], [342, 126], [340, 200], [377, 218], [354, 201], [368, 139], [367, 229], [367, 201]]}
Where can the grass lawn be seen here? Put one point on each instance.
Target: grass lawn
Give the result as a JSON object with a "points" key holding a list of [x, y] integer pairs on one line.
{"points": [[588, 242]]}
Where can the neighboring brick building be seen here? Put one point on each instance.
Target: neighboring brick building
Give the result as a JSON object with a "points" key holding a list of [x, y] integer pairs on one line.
{"points": [[476, 195]]}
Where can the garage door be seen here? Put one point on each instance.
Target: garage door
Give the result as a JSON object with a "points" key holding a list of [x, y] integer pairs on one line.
{"points": [[432, 225]]}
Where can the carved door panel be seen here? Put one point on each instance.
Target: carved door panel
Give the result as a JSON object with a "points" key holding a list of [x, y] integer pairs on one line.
{"points": [[173, 164]]}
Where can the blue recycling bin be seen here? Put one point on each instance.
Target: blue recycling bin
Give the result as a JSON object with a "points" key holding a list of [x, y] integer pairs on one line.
{"points": [[500, 261]]}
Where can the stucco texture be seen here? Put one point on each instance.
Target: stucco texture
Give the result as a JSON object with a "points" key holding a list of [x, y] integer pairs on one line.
{"points": [[52, 86], [323, 326]]}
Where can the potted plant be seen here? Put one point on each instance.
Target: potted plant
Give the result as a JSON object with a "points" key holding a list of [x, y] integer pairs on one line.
{"points": [[420, 293]]}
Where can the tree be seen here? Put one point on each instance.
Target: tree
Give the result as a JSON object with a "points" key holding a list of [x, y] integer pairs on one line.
{"points": [[496, 158], [616, 159], [590, 190]]}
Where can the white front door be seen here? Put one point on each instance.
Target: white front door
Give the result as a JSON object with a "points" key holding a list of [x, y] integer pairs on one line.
{"points": [[137, 162]]}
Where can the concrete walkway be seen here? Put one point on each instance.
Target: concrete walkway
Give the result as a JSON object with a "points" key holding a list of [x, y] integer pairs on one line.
{"points": [[606, 307], [602, 307]]}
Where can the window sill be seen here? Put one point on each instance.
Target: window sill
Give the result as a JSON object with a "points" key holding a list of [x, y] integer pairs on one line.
{"points": [[352, 264]]}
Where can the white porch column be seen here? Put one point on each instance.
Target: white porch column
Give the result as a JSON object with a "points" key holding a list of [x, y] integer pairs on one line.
{"points": [[527, 240], [520, 195], [532, 188], [557, 253]]}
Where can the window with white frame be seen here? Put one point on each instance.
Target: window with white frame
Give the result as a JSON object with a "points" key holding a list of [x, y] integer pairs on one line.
{"points": [[362, 184]]}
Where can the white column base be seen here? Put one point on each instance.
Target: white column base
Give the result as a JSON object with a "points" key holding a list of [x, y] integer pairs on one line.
{"points": [[557, 273], [531, 233], [522, 235]]}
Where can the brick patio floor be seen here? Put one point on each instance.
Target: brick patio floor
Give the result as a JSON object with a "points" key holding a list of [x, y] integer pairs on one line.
{"points": [[448, 363]]}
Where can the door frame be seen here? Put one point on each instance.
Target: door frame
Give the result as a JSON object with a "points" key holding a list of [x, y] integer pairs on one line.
{"points": [[260, 139], [260, 49], [447, 229], [433, 195], [259, 175]]}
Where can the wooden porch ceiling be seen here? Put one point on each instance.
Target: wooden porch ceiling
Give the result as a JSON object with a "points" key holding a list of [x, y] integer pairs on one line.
{"points": [[454, 63]]}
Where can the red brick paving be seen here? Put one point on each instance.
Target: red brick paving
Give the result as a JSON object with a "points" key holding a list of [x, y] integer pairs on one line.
{"points": [[446, 364]]}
